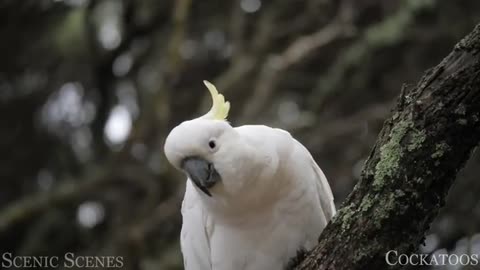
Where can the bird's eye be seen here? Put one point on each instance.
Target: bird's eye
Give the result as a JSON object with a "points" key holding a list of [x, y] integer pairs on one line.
{"points": [[212, 144]]}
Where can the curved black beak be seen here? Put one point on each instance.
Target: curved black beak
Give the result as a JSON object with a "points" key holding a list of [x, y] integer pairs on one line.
{"points": [[201, 172]]}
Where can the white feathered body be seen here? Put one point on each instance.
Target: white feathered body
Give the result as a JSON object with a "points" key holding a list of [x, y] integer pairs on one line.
{"points": [[284, 211]]}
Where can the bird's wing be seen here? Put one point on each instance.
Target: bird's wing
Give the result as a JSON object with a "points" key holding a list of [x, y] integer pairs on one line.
{"points": [[194, 239], [324, 192]]}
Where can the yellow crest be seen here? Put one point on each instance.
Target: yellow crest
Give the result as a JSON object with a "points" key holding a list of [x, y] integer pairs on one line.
{"points": [[220, 107]]}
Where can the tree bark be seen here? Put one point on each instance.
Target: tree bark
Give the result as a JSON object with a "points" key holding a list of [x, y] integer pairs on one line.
{"points": [[430, 135]]}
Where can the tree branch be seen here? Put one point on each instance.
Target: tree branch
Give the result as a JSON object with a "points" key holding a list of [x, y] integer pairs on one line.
{"points": [[429, 137]]}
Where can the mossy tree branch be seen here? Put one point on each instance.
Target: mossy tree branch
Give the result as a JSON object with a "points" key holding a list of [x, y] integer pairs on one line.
{"points": [[431, 134]]}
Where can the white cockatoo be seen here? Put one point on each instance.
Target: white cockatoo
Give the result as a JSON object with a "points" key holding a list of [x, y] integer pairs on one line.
{"points": [[254, 194]]}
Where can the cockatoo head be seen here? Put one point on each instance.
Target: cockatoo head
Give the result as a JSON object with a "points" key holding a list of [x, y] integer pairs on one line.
{"points": [[210, 151]]}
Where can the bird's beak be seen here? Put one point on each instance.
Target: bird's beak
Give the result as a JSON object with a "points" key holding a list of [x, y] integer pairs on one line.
{"points": [[201, 172]]}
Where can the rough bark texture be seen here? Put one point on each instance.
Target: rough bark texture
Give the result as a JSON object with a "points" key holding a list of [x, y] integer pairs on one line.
{"points": [[427, 140]]}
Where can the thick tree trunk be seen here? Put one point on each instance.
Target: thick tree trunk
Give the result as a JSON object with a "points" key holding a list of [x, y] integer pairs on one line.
{"points": [[429, 137]]}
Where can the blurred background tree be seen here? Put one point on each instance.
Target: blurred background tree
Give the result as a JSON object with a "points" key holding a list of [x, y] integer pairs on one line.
{"points": [[90, 89]]}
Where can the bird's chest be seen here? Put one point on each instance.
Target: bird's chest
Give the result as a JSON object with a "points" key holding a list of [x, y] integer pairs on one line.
{"points": [[255, 245]]}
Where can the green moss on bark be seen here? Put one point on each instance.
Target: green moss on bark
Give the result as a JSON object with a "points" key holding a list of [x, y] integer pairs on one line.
{"points": [[390, 154], [367, 203], [440, 149], [346, 214], [403, 137], [418, 138]]}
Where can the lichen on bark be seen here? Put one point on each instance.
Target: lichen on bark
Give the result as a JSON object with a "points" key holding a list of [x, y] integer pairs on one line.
{"points": [[404, 138]]}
